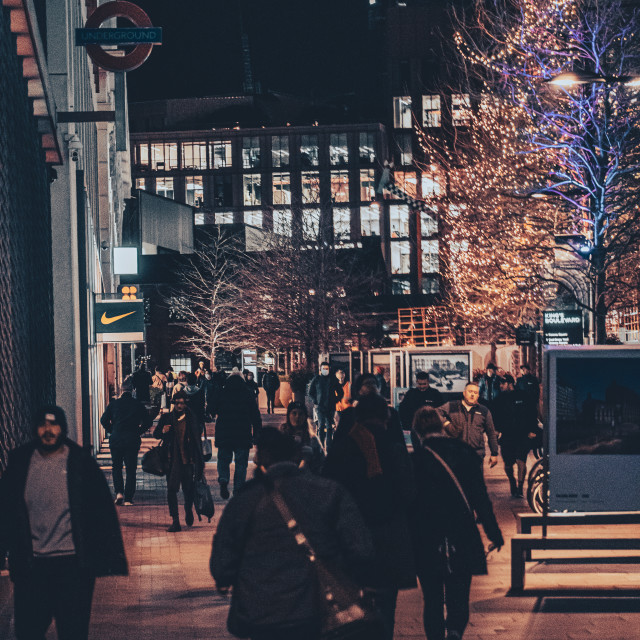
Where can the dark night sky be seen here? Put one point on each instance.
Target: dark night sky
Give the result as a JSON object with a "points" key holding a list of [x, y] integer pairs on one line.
{"points": [[303, 47]]}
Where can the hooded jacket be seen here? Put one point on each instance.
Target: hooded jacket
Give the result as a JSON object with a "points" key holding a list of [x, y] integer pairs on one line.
{"points": [[239, 418]]}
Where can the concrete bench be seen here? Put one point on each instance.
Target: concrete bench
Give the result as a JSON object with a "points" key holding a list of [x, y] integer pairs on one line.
{"points": [[523, 543]]}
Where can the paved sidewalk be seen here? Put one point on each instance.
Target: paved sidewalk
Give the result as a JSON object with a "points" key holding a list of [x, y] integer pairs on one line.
{"points": [[169, 593]]}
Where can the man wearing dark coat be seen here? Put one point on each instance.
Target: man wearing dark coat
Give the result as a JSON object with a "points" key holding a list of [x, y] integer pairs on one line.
{"points": [[326, 392], [125, 419], [59, 525], [270, 383], [180, 434], [142, 380], [422, 395]]}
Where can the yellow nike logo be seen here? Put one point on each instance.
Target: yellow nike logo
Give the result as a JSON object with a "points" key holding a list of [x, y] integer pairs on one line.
{"points": [[106, 320]]}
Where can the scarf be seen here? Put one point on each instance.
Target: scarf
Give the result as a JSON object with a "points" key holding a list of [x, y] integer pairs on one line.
{"points": [[366, 442]]}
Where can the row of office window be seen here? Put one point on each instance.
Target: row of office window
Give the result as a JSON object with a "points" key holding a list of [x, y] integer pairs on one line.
{"points": [[218, 154], [460, 107]]}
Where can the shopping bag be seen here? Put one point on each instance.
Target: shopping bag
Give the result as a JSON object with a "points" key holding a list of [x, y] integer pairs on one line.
{"points": [[207, 451], [203, 502]]}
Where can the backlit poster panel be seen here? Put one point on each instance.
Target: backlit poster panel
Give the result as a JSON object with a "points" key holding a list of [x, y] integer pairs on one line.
{"points": [[593, 418]]}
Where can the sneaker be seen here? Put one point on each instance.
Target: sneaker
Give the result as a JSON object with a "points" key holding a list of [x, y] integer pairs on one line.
{"points": [[128, 503], [174, 527], [119, 499], [224, 491]]}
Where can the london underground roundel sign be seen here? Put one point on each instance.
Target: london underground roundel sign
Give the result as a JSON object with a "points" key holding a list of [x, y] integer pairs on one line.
{"points": [[119, 9]]}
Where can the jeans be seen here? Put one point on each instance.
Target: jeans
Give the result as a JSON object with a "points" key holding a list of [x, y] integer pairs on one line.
{"points": [[54, 589], [128, 455], [225, 455], [188, 487], [451, 590], [325, 426], [271, 399]]}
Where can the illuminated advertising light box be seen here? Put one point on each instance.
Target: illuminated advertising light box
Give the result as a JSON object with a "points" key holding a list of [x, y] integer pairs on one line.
{"points": [[593, 428]]}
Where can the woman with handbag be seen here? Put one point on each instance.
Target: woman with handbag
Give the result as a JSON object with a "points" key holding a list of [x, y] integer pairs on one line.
{"points": [[276, 594], [450, 492]]}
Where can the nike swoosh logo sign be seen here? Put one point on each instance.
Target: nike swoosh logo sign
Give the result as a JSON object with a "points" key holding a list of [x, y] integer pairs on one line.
{"points": [[106, 320]]}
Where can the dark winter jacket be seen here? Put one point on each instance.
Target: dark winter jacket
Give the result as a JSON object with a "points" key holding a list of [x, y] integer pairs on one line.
{"points": [[142, 380], [195, 401], [530, 385], [309, 448], [489, 388], [125, 419], [440, 513], [273, 580], [252, 385], [94, 522], [514, 417], [394, 428], [325, 391], [192, 445], [470, 426], [413, 400], [270, 382], [383, 500], [238, 420]]}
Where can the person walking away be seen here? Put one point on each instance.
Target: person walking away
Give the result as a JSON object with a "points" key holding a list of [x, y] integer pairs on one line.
{"points": [[237, 425], [376, 470], [383, 385], [251, 383], [195, 400], [171, 381], [180, 435], [470, 421], [310, 454], [59, 525], [345, 402], [270, 383], [516, 419], [275, 594], [422, 395], [125, 420], [489, 385], [141, 383], [209, 389], [529, 384], [158, 385], [449, 491], [325, 392]]}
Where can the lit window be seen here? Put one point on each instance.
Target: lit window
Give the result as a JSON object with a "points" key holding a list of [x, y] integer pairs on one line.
{"points": [[164, 187], [407, 182], [282, 221], [180, 363], [432, 182], [164, 156], [221, 154], [141, 183], [251, 189], [280, 151], [309, 151], [310, 224], [338, 149], [399, 220], [367, 150], [223, 190], [489, 104], [403, 141], [430, 262], [194, 155], [428, 224], [195, 192], [367, 185], [400, 287], [224, 217], [198, 218], [460, 109], [142, 156], [430, 285], [400, 252], [281, 188], [459, 247], [402, 112], [339, 186], [341, 224], [254, 218], [251, 152], [431, 111], [455, 210], [310, 187], [370, 220]]}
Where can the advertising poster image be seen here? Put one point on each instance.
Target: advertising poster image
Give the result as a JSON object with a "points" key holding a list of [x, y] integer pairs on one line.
{"points": [[598, 406], [448, 372]]}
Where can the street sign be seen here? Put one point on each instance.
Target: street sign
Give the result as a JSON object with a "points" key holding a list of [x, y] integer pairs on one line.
{"points": [[119, 321], [563, 327], [130, 35]]}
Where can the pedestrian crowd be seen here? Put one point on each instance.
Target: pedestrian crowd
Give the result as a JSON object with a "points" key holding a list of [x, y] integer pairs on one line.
{"points": [[339, 516]]}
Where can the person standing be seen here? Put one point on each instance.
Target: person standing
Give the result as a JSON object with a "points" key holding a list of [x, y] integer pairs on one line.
{"points": [[326, 392], [489, 385], [270, 383], [449, 490], [59, 525], [158, 386], [237, 425], [180, 435], [275, 594], [516, 419], [310, 454], [422, 395], [252, 385], [470, 421], [345, 402], [141, 383], [125, 420], [376, 470]]}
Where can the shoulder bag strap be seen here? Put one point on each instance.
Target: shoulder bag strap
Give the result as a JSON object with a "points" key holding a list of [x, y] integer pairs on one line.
{"points": [[451, 474]]}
